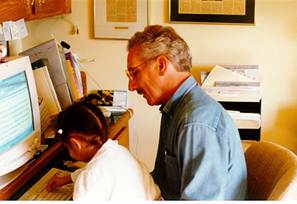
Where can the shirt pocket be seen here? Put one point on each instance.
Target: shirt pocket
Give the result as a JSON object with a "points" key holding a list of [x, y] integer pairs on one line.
{"points": [[172, 174]]}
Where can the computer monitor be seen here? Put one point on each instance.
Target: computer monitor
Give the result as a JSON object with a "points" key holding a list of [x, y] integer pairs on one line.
{"points": [[19, 116], [54, 58]]}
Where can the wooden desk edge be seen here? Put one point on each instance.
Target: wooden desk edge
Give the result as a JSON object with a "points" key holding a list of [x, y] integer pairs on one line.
{"points": [[115, 130]]}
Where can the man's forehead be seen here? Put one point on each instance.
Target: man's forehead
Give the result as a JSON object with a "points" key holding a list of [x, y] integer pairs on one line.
{"points": [[133, 56]]}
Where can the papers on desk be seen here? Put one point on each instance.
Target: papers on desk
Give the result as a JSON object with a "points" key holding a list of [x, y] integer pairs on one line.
{"points": [[112, 102], [236, 83], [233, 83]]}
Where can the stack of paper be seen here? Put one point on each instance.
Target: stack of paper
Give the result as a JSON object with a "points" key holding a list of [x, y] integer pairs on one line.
{"points": [[246, 120], [236, 83], [48, 101], [233, 83], [46, 90]]}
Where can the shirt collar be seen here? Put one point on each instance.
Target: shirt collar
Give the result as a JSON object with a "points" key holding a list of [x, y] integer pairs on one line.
{"points": [[108, 144], [184, 88]]}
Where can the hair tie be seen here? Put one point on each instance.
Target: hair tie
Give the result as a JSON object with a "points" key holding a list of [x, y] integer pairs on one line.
{"points": [[60, 131]]}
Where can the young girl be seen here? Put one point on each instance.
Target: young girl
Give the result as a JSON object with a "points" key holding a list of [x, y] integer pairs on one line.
{"points": [[111, 173]]}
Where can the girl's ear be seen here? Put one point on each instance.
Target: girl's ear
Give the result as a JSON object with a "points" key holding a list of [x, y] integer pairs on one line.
{"points": [[75, 142]]}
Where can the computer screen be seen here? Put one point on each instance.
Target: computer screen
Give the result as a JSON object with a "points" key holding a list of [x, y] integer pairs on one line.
{"points": [[16, 119], [19, 115]]}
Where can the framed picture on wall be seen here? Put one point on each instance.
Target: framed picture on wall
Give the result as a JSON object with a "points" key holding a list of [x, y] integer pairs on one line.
{"points": [[115, 19], [213, 11]]}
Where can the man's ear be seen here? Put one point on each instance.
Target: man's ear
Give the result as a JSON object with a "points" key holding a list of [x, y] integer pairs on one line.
{"points": [[75, 142], [162, 64]]}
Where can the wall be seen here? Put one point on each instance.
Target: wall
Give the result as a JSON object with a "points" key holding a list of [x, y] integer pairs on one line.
{"points": [[271, 43]]}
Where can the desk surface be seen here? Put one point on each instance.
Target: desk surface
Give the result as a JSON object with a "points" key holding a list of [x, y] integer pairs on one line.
{"points": [[116, 129]]}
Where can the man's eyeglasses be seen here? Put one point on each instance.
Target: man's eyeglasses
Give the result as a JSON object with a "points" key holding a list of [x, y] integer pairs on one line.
{"points": [[132, 72]]}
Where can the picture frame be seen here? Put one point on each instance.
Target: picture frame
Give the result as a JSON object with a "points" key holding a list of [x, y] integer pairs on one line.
{"points": [[213, 11], [119, 19]]}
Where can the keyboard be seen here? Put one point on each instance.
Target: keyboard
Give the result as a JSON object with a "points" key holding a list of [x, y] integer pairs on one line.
{"points": [[38, 190]]}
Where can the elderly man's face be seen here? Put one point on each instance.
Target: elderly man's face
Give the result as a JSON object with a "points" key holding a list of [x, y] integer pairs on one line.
{"points": [[144, 77]]}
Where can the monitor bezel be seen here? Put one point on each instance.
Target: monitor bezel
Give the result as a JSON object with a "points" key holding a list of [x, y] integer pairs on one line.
{"points": [[23, 151]]}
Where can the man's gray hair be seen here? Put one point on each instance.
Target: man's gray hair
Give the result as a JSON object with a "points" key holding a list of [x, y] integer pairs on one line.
{"points": [[158, 40]]}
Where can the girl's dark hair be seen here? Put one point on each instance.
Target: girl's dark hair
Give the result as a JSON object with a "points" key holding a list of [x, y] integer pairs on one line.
{"points": [[82, 117]]}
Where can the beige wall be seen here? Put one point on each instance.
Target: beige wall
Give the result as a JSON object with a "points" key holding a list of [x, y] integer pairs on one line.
{"points": [[271, 43]]}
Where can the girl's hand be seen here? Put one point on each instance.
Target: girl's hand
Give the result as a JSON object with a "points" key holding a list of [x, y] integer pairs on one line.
{"points": [[57, 181]]}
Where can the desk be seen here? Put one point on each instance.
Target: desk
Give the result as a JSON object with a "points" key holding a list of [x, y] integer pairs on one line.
{"points": [[118, 130]]}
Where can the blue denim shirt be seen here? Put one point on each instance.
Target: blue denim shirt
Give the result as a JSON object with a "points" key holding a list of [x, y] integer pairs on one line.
{"points": [[200, 156]]}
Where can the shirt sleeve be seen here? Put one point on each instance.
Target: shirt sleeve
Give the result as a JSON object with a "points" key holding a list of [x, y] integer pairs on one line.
{"points": [[75, 174], [90, 185], [202, 160]]}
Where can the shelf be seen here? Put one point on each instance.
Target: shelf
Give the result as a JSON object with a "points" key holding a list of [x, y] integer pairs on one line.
{"points": [[245, 107]]}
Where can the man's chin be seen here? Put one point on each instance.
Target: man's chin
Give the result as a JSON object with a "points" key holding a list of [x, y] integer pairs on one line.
{"points": [[149, 102]]}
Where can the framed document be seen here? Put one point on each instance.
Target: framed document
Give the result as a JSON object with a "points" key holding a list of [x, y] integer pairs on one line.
{"points": [[119, 19], [212, 11]]}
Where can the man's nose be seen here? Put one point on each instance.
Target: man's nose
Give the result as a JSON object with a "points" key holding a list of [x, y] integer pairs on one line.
{"points": [[132, 85]]}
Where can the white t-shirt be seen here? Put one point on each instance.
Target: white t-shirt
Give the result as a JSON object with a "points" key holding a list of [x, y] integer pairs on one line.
{"points": [[114, 174]]}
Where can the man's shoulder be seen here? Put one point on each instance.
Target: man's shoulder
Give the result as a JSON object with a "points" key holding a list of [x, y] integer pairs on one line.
{"points": [[196, 107]]}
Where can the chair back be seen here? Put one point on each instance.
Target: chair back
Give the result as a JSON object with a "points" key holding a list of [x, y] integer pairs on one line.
{"points": [[272, 172]]}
